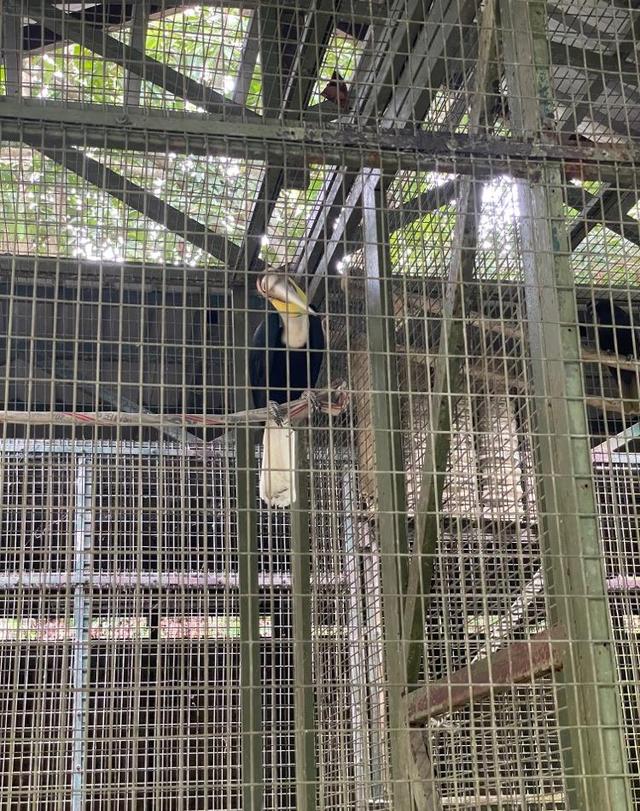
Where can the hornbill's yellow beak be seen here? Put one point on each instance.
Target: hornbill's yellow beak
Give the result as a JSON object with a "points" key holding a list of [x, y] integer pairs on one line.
{"points": [[284, 294]]}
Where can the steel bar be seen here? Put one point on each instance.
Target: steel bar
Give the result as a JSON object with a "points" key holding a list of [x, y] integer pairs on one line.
{"points": [[250, 669], [389, 149], [390, 483], [419, 75], [516, 663], [369, 547], [81, 629], [66, 272], [139, 24], [448, 370], [374, 71], [356, 631], [248, 62], [11, 42], [597, 768], [301, 606]]}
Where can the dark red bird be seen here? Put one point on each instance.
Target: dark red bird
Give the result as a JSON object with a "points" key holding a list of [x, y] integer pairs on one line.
{"points": [[574, 171], [337, 91]]}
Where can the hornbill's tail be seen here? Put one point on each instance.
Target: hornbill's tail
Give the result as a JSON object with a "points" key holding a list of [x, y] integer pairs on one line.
{"points": [[277, 480]]}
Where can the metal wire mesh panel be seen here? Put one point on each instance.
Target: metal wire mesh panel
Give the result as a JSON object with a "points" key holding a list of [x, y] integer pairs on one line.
{"points": [[319, 470]]}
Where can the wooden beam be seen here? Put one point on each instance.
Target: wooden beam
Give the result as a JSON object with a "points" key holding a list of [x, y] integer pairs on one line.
{"points": [[578, 24], [583, 59], [517, 663], [584, 103]]}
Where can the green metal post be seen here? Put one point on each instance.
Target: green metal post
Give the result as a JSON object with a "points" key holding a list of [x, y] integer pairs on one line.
{"points": [[448, 366], [250, 682], [392, 516], [306, 776], [592, 719]]}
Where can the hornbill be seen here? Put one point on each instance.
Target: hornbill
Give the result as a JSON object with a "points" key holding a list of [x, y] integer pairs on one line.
{"points": [[616, 335], [284, 364]]}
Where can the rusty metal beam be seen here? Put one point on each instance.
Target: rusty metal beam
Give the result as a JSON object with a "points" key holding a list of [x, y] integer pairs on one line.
{"points": [[67, 125], [517, 663]]}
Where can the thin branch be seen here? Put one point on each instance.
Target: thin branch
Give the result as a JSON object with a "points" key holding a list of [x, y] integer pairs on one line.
{"points": [[333, 402]]}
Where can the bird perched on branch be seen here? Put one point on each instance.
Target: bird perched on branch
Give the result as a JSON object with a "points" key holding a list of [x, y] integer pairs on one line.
{"points": [[337, 91], [616, 335], [284, 365]]}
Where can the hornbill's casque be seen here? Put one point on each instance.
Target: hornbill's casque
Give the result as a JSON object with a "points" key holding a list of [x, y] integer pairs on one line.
{"points": [[616, 335], [284, 363]]}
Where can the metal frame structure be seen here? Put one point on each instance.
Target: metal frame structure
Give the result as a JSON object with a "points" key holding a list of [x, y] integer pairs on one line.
{"points": [[405, 57]]}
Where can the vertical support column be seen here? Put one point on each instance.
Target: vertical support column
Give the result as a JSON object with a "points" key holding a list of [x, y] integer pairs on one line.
{"points": [[250, 682], [139, 23], [389, 477], [357, 648], [11, 41], [83, 528], [449, 365], [592, 719], [304, 717]]}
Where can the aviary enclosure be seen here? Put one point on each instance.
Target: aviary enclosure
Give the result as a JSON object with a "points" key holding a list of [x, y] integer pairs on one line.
{"points": [[440, 605]]}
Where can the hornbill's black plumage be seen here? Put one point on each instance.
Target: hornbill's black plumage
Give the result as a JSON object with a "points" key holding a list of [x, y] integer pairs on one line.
{"points": [[616, 335], [284, 362]]}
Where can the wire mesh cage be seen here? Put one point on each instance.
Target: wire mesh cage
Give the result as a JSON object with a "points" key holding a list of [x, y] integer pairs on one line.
{"points": [[320, 468]]}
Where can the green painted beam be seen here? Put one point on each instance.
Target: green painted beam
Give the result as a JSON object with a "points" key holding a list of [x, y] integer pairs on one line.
{"points": [[250, 681], [301, 605], [448, 368], [592, 723], [391, 512]]}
